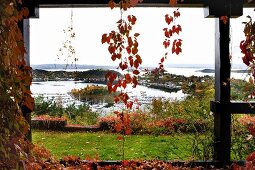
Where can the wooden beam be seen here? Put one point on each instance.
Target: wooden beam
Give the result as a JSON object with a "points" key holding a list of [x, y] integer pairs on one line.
{"points": [[230, 8], [222, 117], [235, 107], [145, 3], [103, 3]]}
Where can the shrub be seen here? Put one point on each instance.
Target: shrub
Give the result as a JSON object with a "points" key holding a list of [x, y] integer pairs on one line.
{"points": [[48, 106], [81, 114]]}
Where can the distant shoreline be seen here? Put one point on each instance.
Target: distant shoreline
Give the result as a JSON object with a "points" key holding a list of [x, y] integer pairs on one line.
{"points": [[107, 67], [213, 71]]}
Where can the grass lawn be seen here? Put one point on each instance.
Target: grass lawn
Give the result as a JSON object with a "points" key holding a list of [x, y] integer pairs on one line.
{"points": [[107, 147]]}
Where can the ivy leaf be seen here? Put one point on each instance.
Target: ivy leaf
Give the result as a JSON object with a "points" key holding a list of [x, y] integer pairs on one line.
{"points": [[128, 78], [134, 50], [119, 138], [177, 13], [168, 19], [124, 84], [104, 38], [136, 72], [162, 60], [136, 34]]}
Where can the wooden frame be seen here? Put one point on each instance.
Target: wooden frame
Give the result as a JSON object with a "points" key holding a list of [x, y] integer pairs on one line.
{"points": [[222, 107]]}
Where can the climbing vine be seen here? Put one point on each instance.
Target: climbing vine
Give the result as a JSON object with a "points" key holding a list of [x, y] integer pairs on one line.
{"points": [[247, 47], [15, 79]]}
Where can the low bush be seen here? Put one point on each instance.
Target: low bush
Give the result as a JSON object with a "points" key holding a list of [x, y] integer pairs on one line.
{"points": [[142, 123]]}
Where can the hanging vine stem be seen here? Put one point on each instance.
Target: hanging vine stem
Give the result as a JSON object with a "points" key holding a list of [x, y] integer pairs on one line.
{"points": [[171, 44], [123, 47], [67, 47]]}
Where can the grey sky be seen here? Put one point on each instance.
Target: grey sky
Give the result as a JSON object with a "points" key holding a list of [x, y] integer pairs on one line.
{"points": [[90, 23]]}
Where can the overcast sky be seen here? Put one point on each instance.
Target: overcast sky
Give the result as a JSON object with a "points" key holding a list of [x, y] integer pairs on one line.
{"points": [[90, 23]]}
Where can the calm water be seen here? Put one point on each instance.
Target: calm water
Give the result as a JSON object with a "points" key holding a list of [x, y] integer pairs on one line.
{"points": [[59, 89]]}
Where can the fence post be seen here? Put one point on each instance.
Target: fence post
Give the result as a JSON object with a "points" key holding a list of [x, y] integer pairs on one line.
{"points": [[222, 116]]}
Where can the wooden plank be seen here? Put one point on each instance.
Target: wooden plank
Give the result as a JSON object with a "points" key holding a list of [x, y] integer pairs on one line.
{"points": [[101, 3], [235, 107], [145, 3], [222, 118]]}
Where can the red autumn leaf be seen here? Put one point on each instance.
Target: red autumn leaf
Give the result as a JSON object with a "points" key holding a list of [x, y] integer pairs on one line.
{"points": [[123, 66], [130, 42], [118, 56], [136, 63], [176, 29], [134, 81], [162, 60], [119, 138], [139, 59], [111, 49], [113, 57], [166, 43], [224, 19], [136, 34], [109, 88], [118, 127], [177, 14], [128, 131], [166, 33], [104, 38], [178, 50], [116, 112], [251, 157], [124, 84], [128, 50], [133, 20], [168, 19], [125, 98], [134, 50], [116, 99], [131, 61], [129, 105], [136, 72], [128, 78], [129, 18]]}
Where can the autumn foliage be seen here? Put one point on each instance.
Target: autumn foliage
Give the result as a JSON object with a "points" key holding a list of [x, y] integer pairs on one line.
{"points": [[15, 79], [247, 48]]}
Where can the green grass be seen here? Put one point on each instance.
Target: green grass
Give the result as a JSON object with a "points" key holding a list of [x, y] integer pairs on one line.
{"points": [[107, 147]]}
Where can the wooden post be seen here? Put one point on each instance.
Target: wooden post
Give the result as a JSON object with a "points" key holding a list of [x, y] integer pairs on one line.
{"points": [[222, 117], [25, 28]]}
